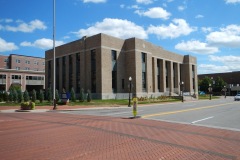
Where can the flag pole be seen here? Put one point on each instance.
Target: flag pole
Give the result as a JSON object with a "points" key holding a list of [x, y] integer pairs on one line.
{"points": [[54, 58]]}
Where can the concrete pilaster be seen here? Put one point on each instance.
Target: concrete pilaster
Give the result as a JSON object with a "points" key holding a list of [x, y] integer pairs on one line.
{"points": [[163, 75], [170, 77]]}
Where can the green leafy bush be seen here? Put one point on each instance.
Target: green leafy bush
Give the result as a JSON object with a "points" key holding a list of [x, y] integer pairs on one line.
{"points": [[27, 106]]}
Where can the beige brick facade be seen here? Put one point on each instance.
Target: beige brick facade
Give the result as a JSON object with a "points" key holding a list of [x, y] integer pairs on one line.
{"points": [[25, 71], [164, 70]]}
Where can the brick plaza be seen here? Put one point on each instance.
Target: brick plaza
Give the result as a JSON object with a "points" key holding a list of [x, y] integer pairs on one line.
{"points": [[55, 135]]}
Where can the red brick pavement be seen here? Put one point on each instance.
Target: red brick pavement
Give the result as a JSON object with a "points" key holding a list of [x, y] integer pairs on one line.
{"points": [[52, 135]]}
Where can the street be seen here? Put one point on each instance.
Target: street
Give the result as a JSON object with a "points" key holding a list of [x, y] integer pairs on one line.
{"points": [[221, 113]]}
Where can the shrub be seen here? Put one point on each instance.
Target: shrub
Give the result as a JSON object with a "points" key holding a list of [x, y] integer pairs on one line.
{"points": [[25, 96], [89, 96], [73, 96], [81, 97], [15, 95], [49, 95], [57, 95], [34, 95], [1, 96], [5, 96], [41, 96], [27, 106], [20, 96], [10, 96]]}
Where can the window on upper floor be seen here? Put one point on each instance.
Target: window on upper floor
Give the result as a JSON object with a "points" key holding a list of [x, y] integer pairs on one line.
{"points": [[27, 61], [18, 61]]}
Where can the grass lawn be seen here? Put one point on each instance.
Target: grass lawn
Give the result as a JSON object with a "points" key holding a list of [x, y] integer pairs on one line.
{"points": [[109, 102]]}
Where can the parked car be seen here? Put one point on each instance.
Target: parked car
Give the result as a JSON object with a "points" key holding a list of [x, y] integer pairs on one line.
{"points": [[237, 97], [202, 93]]}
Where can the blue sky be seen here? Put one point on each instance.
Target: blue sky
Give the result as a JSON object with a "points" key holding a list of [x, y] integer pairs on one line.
{"points": [[206, 29]]}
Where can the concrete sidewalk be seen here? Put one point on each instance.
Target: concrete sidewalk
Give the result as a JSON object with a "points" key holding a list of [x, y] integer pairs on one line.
{"points": [[54, 135]]}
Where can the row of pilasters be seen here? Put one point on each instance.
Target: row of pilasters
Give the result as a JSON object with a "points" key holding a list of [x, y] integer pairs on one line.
{"points": [[168, 73]]}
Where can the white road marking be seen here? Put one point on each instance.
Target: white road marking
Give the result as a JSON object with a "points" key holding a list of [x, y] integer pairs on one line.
{"points": [[202, 120]]}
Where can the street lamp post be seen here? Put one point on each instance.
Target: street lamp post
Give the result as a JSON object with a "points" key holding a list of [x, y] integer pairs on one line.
{"points": [[225, 89], [210, 91], [130, 90], [181, 87]]}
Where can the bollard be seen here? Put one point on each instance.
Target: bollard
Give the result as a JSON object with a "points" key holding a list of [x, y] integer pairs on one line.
{"points": [[134, 107]]}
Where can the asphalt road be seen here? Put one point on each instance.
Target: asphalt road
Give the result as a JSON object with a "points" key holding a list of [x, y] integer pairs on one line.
{"points": [[222, 113]]}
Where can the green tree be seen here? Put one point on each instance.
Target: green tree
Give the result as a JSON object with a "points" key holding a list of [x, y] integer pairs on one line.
{"points": [[219, 84], [10, 96], [15, 95], [5, 96], [204, 84], [41, 96], [81, 97], [1, 96], [73, 96], [26, 96], [34, 95], [20, 96]]}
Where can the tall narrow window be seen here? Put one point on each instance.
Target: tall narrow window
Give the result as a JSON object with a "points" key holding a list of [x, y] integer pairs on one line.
{"points": [[123, 84], [166, 73], [78, 72], [144, 72], [114, 71], [70, 72], [174, 77], [64, 73], [193, 77], [57, 73], [158, 74], [49, 73], [93, 70]]}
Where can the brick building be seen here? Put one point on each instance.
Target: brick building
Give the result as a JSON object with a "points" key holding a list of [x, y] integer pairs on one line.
{"points": [[26, 71], [231, 78], [103, 64]]}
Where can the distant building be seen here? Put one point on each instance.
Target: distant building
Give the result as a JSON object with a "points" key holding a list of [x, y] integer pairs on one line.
{"points": [[231, 78], [103, 65], [26, 71]]}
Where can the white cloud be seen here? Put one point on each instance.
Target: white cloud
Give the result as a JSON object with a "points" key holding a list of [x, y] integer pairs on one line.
{"points": [[206, 29], [156, 12], [43, 43], [7, 46], [196, 47], [211, 68], [94, 1], [181, 8], [199, 16], [226, 64], [232, 1], [178, 28], [122, 6], [226, 37], [234, 60], [7, 20], [144, 1], [115, 27], [26, 27]]}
